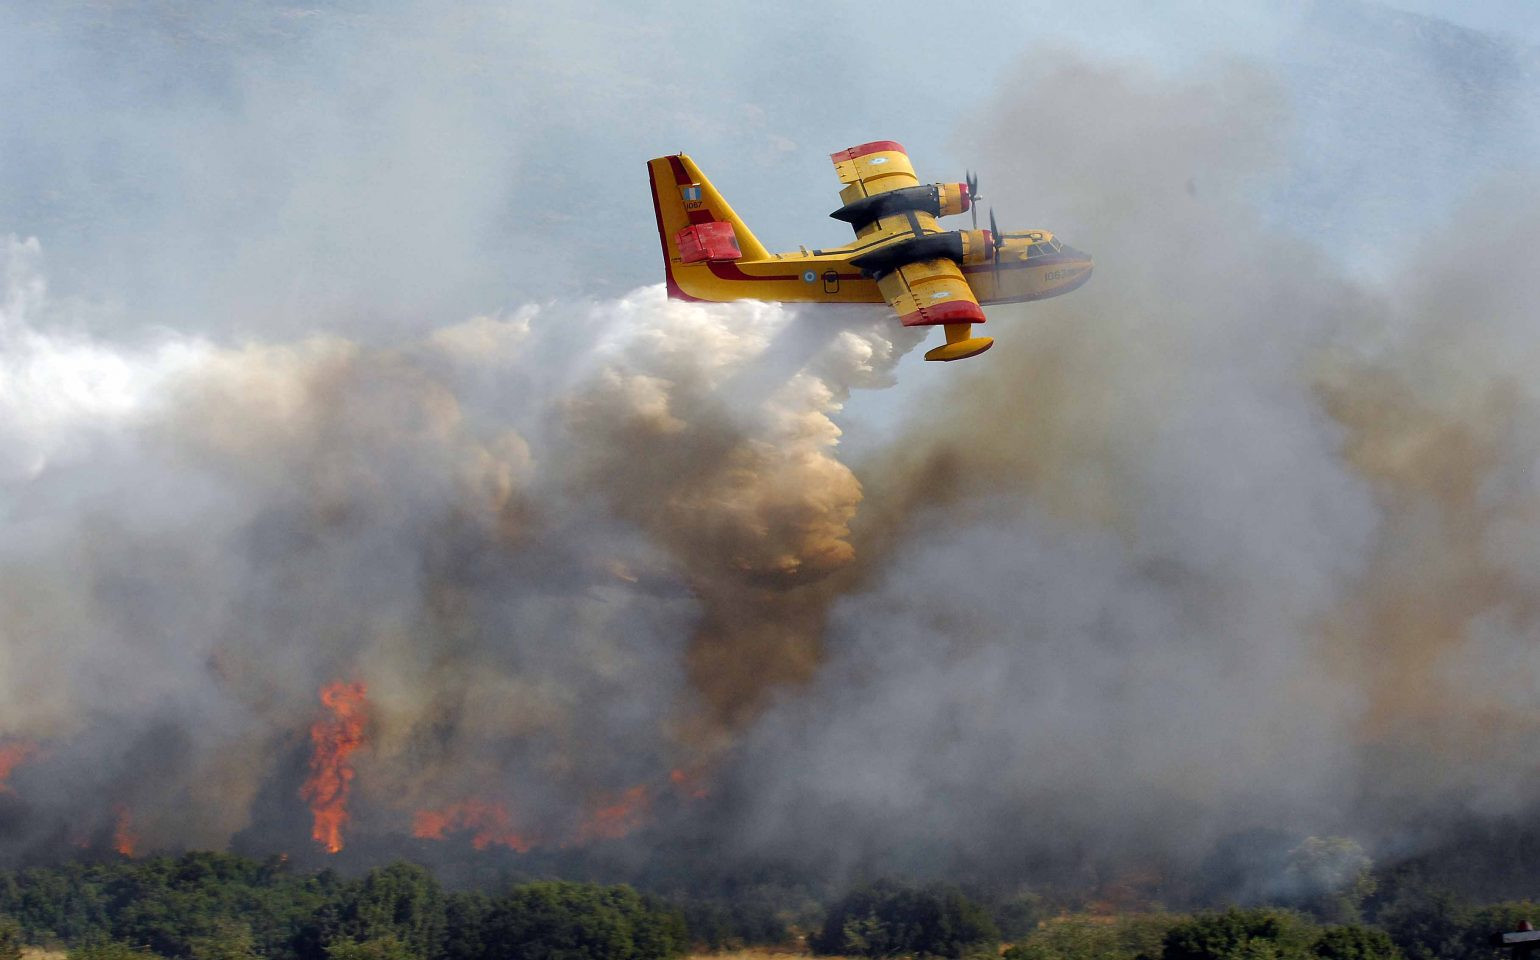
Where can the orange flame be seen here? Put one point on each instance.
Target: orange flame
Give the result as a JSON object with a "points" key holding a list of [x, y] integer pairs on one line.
{"points": [[689, 783], [11, 755], [335, 736], [613, 820], [124, 839], [491, 823]]}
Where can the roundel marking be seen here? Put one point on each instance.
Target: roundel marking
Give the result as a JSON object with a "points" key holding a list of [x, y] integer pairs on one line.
{"points": [[809, 277], [874, 161]]}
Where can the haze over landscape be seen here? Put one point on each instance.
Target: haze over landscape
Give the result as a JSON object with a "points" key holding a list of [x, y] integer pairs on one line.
{"points": [[363, 496]]}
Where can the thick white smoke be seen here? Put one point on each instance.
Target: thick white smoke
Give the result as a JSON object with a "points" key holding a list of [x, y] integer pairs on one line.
{"points": [[1238, 535], [510, 531]]}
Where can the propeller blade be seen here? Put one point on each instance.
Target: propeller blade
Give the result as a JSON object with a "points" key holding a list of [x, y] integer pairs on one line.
{"points": [[973, 196], [994, 234]]}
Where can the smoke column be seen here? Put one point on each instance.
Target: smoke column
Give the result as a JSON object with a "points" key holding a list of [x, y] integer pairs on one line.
{"points": [[522, 534], [1231, 539], [1239, 535]]}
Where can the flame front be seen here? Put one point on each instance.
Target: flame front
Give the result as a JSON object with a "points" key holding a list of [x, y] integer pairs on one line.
{"points": [[11, 755], [690, 784], [615, 819], [124, 840], [334, 736], [490, 823]]}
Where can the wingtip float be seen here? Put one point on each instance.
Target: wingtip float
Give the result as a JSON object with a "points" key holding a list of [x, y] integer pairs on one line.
{"points": [[901, 256]]}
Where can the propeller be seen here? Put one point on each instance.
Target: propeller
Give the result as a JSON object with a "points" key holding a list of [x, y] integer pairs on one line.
{"points": [[999, 241], [973, 196]]}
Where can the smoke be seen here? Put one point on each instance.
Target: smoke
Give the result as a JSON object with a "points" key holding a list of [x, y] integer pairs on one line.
{"points": [[1239, 535], [1230, 539], [565, 549]]}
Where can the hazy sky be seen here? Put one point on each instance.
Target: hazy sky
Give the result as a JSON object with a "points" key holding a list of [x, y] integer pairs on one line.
{"points": [[332, 346], [240, 167]]}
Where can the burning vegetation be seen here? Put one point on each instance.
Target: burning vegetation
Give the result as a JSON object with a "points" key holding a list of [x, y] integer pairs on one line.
{"points": [[12, 754], [334, 737], [488, 824]]}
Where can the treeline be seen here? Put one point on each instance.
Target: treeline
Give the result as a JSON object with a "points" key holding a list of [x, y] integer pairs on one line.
{"points": [[208, 906], [1414, 923]]}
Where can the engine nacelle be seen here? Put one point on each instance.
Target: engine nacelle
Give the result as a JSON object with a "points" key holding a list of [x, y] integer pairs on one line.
{"points": [[978, 246], [960, 246], [938, 199], [952, 198]]}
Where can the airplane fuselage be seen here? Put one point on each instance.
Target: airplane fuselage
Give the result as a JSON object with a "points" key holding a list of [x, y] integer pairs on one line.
{"points": [[1027, 270], [901, 255]]}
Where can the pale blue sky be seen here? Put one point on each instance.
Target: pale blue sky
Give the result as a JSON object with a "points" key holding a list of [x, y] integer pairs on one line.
{"points": [[266, 169]]}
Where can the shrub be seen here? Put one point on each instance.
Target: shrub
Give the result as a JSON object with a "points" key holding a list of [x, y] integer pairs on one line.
{"points": [[1240, 935], [888, 919], [111, 950], [376, 948], [1092, 938], [577, 921], [1354, 942]]}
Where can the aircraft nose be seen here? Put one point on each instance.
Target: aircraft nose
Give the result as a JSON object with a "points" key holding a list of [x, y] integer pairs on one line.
{"points": [[1090, 262]]}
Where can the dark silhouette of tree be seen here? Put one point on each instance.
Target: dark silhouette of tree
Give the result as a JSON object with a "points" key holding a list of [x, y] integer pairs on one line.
{"points": [[1356, 942], [1256, 934], [889, 919], [574, 921]]}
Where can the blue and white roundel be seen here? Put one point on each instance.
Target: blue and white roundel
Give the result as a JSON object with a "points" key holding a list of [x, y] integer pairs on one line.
{"points": [[809, 277]]}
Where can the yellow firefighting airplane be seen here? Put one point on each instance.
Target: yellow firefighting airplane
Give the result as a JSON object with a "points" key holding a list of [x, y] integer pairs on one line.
{"points": [[901, 255]]}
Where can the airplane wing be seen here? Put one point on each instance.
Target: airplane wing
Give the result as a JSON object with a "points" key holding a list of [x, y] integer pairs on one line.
{"points": [[931, 289], [932, 292], [882, 196], [873, 168]]}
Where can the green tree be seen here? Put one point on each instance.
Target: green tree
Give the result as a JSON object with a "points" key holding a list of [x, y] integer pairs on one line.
{"points": [[111, 950], [1256, 934], [733, 923], [376, 948], [1333, 876], [1084, 937], [1428, 923], [1018, 915], [465, 916], [887, 919], [1356, 942], [402, 901], [576, 921], [227, 940]]}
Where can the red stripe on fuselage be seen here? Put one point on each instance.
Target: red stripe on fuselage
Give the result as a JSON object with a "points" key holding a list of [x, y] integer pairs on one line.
{"points": [[723, 269], [669, 284]]}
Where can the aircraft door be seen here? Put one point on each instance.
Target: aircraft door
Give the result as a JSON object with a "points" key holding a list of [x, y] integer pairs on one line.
{"points": [[831, 282]]}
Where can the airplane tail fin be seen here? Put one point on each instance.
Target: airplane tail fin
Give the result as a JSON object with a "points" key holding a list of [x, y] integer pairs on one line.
{"points": [[694, 223]]}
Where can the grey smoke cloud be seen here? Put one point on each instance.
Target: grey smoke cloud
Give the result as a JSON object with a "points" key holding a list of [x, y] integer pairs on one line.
{"points": [[1228, 540], [512, 553], [1234, 536]]}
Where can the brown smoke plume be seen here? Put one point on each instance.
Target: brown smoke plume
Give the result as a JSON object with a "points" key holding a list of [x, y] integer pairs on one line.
{"points": [[1230, 537]]}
